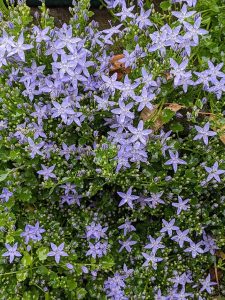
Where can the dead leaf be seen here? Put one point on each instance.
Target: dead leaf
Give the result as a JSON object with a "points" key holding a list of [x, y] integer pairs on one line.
{"points": [[118, 67], [115, 61], [219, 128], [174, 107], [220, 254], [168, 75], [215, 274], [148, 114], [29, 208]]}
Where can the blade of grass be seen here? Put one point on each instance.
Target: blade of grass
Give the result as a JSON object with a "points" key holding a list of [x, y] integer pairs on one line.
{"points": [[3, 8]]}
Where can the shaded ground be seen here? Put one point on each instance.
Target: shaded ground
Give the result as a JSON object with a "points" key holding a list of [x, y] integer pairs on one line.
{"points": [[62, 15], [102, 16]]}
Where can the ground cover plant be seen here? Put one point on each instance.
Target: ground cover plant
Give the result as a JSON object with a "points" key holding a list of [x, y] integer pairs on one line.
{"points": [[112, 153]]}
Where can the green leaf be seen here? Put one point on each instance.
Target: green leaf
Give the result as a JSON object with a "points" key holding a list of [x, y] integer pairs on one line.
{"points": [[21, 276], [165, 5], [107, 263], [42, 253], [24, 194], [176, 127], [71, 284], [34, 295], [199, 103], [10, 238], [3, 175], [4, 155], [90, 14], [27, 260], [43, 270], [167, 115], [81, 293], [215, 8], [3, 8], [47, 296]]}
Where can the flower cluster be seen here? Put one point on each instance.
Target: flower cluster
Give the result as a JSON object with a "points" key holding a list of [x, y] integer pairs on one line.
{"points": [[112, 170]]}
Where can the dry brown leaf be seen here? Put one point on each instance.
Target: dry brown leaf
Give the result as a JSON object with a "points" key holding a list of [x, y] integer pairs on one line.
{"points": [[220, 254], [219, 129], [215, 274], [29, 208], [118, 67], [116, 64], [174, 107], [168, 75], [147, 114]]}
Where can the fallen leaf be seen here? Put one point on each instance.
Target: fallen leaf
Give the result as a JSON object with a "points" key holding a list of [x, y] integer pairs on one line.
{"points": [[118, 66], [220, 254], [219, 128], [215, 274], [115, 62], [174, 107], [147, 114], [168, 75]]}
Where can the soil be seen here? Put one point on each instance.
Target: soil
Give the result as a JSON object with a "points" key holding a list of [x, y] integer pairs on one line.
{"points": [[102, 16], [62, 15]]}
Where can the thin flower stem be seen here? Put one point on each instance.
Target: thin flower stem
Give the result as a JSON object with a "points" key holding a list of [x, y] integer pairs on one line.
{"points": [[200, 112], [38, 287], [53, 265], [109, 10], [210, 9]]}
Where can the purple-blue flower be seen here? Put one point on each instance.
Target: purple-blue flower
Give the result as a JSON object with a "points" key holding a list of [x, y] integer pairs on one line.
{"points": [[214, 172], [127, 227], [32, 232], [195, 249], [175, 160], [97, 250], [95, 231], [47, 172], [209, 244], [183, 13], [154, 200], [12, 252], [124, 111], [126, 12], [57, 252], [215, 71], [111, 83], [62, 110], [204, 133], [193, 31], [155, 244], [207, 284], [143, 19], [151, 259], [178, 70], [6, 194], [145, 99], [139, 133], [19, 47], [181, 205], [127, 198], [169, 227], [181, 237], [127, 244], [128, 88], [35, 148]]}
